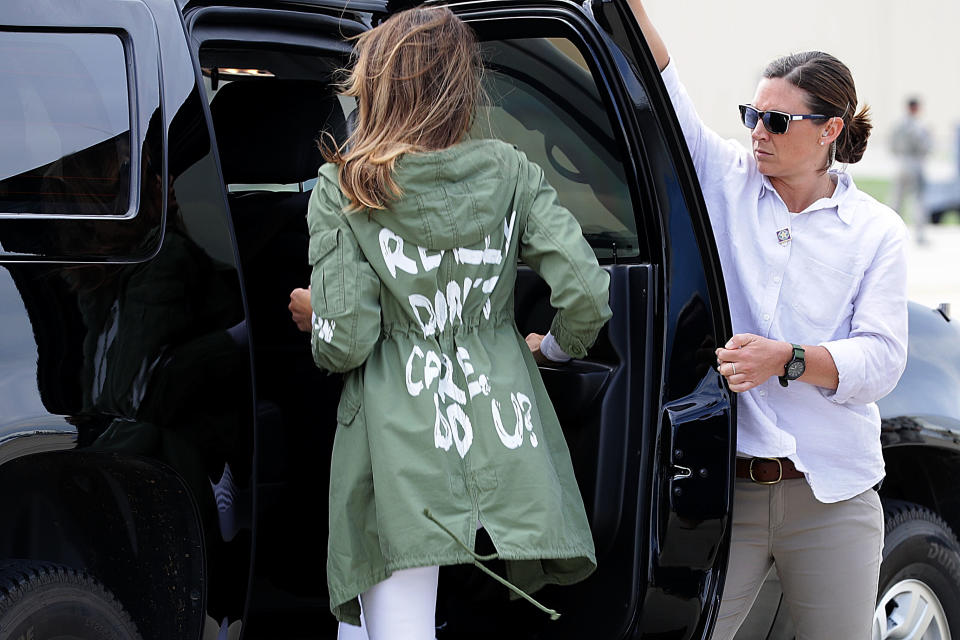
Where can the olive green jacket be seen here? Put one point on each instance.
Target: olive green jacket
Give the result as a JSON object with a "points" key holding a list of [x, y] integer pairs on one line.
{"points": [[444, 420]]}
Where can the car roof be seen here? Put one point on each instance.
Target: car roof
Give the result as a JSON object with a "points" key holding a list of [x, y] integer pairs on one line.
{"points": [[360, 6]]}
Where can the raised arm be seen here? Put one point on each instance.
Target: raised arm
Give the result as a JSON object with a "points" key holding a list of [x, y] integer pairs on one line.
{"points": [[654, 41], [721, 164]]}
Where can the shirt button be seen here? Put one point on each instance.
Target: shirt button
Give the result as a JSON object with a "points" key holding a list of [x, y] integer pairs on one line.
{"points": [[762, 392], [776, 279], [766, 316]]}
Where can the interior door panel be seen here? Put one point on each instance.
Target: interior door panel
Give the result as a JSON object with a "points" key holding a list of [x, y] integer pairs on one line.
{"points": [[600, 402]]}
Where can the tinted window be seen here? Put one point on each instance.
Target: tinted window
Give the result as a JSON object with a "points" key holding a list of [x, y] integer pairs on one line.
{"points": [[64, 123], [544, 100], [269, 108]]}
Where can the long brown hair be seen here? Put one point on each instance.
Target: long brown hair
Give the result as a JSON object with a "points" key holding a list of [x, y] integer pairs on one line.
{"points": [[830, 91], [417, 79]]}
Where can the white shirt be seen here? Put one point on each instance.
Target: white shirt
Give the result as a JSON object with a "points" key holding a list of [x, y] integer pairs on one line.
{"points": [[550, 348], [835, 277]]}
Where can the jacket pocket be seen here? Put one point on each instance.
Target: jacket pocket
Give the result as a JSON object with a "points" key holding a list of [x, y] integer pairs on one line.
{"points": [[326, 256]]}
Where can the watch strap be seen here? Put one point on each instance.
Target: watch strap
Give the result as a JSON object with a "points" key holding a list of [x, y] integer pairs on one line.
{"points": [[798, 355]]}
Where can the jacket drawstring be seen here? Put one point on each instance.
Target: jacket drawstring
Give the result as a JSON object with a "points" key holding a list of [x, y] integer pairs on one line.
{"points": [[477, 559]]}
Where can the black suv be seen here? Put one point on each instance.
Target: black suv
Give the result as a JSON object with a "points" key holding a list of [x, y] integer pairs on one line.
{"points": [[164, 434]]}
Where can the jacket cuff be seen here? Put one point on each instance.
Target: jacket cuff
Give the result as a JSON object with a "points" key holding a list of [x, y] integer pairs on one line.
{"points": [[567, 340]]}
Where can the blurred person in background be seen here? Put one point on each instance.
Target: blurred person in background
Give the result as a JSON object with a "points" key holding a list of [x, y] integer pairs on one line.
{"points": [[911, 143]]}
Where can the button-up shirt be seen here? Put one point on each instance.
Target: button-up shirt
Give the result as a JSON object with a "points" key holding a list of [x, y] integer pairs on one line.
{"points": [[833, 275]]}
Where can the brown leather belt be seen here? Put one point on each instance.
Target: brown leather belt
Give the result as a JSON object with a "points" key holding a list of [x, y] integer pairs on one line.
{"points": [[767, 470]]}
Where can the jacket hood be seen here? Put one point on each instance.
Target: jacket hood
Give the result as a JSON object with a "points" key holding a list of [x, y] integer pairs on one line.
{"points": [[450, 198]]}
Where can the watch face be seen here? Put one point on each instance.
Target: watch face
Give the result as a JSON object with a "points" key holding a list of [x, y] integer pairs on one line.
{"points": [[795, 369]]}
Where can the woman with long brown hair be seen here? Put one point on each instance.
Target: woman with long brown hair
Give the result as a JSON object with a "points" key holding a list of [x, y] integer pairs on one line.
{"points": [[444, 425]]}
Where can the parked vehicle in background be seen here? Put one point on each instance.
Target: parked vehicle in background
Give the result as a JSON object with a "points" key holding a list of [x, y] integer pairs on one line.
{"points": [[943, 196], [164, 435]]}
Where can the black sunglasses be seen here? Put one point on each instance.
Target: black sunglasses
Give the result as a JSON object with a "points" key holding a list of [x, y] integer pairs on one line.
{"points": [[774, 121]]}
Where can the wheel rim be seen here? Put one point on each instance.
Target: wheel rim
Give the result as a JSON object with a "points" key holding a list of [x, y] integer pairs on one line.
{"points": [[910, 610]]}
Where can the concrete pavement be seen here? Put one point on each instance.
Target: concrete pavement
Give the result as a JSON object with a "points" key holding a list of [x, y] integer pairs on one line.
{"points": [[933, 268]]}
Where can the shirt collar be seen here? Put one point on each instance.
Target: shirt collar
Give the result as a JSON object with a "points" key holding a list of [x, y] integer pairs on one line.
{"points": [[841, 201]]}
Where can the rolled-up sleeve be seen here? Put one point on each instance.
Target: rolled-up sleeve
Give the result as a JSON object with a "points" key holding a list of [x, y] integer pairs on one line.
{"points": [[344, 289], [872, 359], [717, 161]]}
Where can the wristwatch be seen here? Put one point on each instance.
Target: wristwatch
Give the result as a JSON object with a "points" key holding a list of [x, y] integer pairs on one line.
{"points": [[795, 367]]}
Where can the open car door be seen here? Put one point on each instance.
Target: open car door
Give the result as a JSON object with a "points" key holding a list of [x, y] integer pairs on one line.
{"points": [[647, 420]]}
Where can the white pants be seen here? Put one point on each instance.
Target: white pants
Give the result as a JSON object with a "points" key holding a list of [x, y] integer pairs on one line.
{"points": [[402, 607]]}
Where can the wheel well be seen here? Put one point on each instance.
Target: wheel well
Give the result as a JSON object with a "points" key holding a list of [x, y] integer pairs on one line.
{"points": [[129, 522], [927, 476]]}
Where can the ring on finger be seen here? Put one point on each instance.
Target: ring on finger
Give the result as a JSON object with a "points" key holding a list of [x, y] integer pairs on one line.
{"points": [[734, 365]]}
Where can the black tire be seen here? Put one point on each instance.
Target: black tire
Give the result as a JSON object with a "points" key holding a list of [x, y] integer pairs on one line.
{"points": [[41, 600], [921, 559]]}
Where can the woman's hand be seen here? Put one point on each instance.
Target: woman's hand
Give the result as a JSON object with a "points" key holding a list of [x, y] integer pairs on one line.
{"points": [[748, 360], [533, 341], [300, 308]]}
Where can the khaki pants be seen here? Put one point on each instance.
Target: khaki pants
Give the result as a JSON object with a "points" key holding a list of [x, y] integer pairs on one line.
{"points": [[827, 557]]}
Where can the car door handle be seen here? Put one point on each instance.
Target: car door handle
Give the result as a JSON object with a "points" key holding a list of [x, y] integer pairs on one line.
{"points": [[681, 472]]}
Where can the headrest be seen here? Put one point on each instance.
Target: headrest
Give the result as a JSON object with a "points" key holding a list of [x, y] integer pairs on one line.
{"points": [[267, 129]]}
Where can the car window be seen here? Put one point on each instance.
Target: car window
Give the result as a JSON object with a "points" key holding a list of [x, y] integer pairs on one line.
{"points": [[64, 123], [543, 98], [233, 115], [214, 79]]}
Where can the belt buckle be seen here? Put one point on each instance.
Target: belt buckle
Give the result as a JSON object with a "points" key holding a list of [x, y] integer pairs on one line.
{"points": [[779, 467]]}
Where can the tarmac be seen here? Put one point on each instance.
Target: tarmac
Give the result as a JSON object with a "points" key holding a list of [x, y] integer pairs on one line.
{"points": [[933, 267]]}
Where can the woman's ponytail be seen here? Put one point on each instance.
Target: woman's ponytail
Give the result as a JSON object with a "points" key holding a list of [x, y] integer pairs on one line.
{"points": [[853, 139]]}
